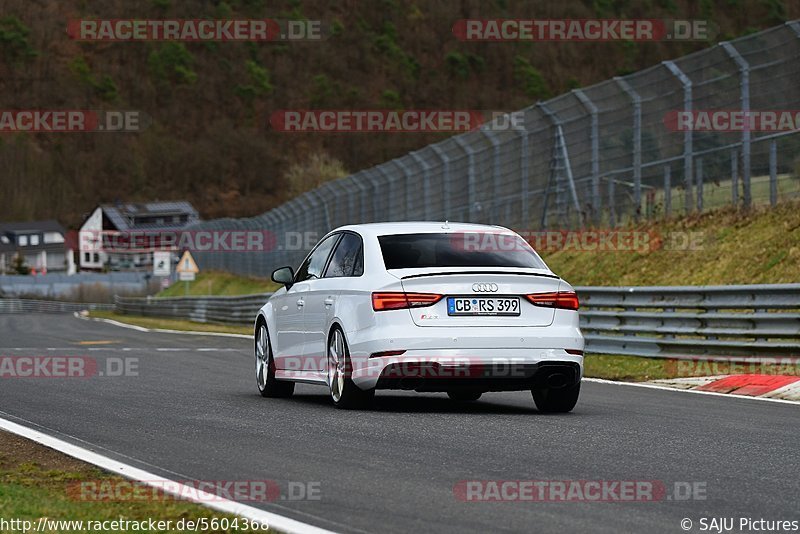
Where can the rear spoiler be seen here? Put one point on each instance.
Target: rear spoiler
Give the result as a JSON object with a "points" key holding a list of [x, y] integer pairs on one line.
{"points": [[543, 275]]}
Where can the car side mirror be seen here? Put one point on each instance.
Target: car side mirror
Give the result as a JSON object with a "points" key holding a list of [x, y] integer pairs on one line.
{"points": [[284, 276]]}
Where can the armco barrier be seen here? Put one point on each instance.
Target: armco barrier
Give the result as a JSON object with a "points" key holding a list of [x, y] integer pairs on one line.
{"points": [[726, 321], [48, 306], [740, 322], [237, 310]]}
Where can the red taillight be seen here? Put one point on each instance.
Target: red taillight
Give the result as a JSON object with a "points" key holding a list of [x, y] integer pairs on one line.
{"points": [[565, 300], [397, 300]]}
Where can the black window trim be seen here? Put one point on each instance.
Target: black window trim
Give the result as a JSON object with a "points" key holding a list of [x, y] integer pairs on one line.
{"points": [[338, 236], [333, 250]]}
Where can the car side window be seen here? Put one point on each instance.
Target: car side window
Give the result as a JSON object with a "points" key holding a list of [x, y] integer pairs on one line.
{"points": [[311, 269], [346, 259]]}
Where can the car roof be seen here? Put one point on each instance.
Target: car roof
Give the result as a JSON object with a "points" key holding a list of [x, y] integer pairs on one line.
{"points": [[420, 227]]}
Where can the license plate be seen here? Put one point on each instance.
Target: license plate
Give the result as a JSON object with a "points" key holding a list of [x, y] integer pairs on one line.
{"points": [[482, 305]]}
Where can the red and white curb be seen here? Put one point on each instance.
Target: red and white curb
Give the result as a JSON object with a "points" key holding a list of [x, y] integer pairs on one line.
{"points": [[749, 385]]}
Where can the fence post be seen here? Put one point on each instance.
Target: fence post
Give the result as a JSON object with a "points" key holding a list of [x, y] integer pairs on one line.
{"points": [[637, 144], [558, 138], [594, 141], [376, 189], [667, 191], [524, 176], [734, 178], [687, 135], [321, 201], [408, 192], [445, 180], [389, 183], [744, 84], [495, 172], [472, 202], [362, 216], [699, 173], [426, 184], [612, 212], [773, 172]]}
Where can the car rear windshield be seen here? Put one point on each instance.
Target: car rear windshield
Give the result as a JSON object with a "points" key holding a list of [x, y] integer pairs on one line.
{"points": [[458, 249]]}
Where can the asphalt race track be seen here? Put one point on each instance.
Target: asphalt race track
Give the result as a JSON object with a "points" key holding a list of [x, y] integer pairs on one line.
{"points": [[196, 414]]}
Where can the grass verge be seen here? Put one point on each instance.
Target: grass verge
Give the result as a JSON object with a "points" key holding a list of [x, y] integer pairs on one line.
{"points": [[36, 482], [636, 369], [220, 284], [729, 247], [171, 324]]}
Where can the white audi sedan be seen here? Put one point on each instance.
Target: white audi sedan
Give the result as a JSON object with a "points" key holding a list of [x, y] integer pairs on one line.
{"points": [[458, 308]]}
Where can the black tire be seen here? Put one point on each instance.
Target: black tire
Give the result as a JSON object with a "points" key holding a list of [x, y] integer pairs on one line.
{"points": [[464, 395], [268, 385], [558, 400], [344, 393]]}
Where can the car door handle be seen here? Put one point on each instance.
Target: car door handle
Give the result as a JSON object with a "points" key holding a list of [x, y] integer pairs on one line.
{"points": [[329, 301], [300, 303]]}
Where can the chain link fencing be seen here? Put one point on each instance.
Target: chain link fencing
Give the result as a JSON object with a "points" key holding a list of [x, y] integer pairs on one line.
{"points": [[600, 156]]}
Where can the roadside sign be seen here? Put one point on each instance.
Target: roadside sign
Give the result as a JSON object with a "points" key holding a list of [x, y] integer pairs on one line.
{"points": [[162, 263], [187, 265], [186, 276]]}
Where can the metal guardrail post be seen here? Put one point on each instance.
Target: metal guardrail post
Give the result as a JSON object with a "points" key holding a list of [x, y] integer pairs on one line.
{"points": [[472, 203], [637, 143], [594, 140], [667, 191], [688, 135], [426, 185], [445, 180], [744, 84]]}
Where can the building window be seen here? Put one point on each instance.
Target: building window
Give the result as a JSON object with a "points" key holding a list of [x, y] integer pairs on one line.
{"points": [[53, 237], [96, 257], [23, 241], [87, 257], [34, 239]]}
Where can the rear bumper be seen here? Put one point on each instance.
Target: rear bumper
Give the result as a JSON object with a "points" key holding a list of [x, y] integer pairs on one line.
{"points": [[482, 369]]}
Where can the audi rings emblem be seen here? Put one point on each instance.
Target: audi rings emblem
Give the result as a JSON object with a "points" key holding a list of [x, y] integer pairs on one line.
{"points": [[484, 288]]}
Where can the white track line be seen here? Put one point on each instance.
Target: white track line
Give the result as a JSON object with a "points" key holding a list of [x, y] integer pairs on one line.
{"points": [[161, 330], [666, 388], [215, 502]]}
